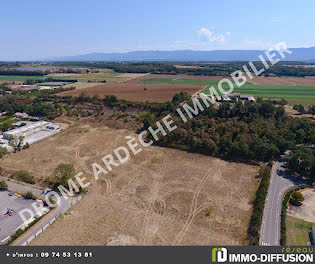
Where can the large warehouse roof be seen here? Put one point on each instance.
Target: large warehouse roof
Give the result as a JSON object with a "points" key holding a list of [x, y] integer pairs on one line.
{"points": [[26, 128]]}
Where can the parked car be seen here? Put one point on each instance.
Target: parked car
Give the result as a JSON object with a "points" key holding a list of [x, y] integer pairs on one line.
{"points": [[11, 212]]}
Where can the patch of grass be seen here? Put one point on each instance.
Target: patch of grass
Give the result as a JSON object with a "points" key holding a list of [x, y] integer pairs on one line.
{"points": [[20, 78], [298, 231], [302, 101]]}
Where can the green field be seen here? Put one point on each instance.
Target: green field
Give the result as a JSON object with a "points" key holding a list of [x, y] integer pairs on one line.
{"points": [[296, 94], [298, 231], [20, 78]]}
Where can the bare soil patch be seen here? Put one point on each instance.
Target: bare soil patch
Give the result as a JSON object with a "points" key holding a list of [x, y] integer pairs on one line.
{"points": [[139, 92], [293, 113], [159, 197]]}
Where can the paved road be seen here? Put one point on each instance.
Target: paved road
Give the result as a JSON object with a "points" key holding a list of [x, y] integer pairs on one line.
{"points": [[22, 189], [280, 183], [63, 207]]}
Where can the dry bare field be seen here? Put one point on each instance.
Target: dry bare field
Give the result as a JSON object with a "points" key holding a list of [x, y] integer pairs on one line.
{"points": [[299, 81], [80, 85], [138, 92], [159, 197]]}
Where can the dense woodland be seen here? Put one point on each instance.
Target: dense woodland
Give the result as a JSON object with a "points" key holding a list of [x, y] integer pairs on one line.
{"points": [[209, 69], [260, 131]]}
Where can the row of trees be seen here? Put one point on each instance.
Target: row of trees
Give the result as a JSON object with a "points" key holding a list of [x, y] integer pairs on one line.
{"points": [[259, 204]]}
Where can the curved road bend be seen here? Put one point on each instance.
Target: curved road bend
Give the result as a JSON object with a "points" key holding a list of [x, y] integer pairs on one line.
{"points": [[280, 182]]}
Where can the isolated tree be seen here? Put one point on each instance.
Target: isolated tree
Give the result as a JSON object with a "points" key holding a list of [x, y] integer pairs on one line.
{"points": [[63, 173], [297, 198], [16, 142], [3, 186]]}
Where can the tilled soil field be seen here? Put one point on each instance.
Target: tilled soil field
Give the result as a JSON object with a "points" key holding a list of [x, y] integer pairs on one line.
{"points": [[138, 92]]}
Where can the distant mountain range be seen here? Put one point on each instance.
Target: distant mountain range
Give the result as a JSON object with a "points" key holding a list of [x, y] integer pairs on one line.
{"points": [[299, 54]]}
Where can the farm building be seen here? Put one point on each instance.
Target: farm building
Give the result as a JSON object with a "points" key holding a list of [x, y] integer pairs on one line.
{"points": [[40, 88], [54, 83], [23, 131], [20, 115], [247, 98], [312, 236]]}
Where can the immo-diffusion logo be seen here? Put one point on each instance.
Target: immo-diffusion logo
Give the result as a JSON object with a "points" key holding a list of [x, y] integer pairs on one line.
{"points": [[219, 255]]}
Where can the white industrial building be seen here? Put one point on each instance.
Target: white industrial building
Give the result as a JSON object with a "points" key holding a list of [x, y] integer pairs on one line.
{"points": [[30, 129]]}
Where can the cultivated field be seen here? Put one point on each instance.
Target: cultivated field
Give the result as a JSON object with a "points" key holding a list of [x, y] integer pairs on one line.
{"points": [[295, 90], [180, 81], [20, 78], [138, 92], [299, 81], [295, 94], [159, 197], [179, 76], [98, 75]]}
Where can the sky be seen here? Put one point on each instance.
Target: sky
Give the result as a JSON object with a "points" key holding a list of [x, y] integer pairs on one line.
{"points": [[38, 29]]}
